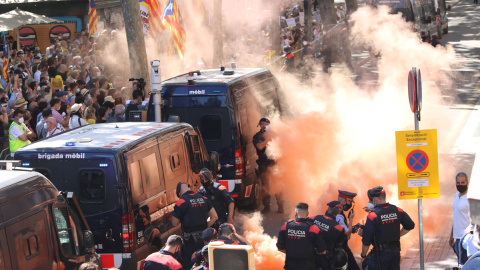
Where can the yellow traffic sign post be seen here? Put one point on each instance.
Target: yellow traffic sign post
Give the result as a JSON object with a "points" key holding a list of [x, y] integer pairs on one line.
{"points": [[417, 158], [417, 164]]}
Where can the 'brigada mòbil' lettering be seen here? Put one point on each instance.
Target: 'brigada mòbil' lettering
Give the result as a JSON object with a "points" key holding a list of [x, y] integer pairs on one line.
{"points": [[61, 156]]}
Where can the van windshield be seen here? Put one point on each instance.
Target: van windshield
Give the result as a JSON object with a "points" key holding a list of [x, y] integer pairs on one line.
{"points": [[91, 178]]}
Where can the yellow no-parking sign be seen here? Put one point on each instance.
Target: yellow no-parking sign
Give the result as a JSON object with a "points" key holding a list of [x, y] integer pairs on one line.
{"points": [[417, 164]]}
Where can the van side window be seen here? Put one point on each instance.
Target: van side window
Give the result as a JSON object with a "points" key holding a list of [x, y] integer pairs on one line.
{"points": [[92, 185], [146, 175], [29, 242], [136, 178], [173, 160], [211, 127], [64, 230]]}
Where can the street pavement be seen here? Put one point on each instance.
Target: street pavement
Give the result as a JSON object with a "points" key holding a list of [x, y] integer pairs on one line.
{"points": [[464, 36], [462, 103]]}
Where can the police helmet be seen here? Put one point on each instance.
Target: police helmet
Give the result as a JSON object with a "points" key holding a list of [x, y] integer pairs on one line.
{"points": [[205, 175]]}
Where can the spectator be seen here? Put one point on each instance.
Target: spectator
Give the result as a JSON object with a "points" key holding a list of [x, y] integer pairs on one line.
{"points": [[460, 214], [90, 115], [101, 115], [27, 117], [62, 95], [77, 119], [52, 127], [42, 125], [119, 113], [41, 68], [56, 104], [58, 83], [110, 112], [134, 105], [94, 93], [18, 133], [3, 121]]}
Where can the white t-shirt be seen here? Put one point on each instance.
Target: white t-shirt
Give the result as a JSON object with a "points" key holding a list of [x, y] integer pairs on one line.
{"points": [[36, 75], [461, 219], [74, 122]]}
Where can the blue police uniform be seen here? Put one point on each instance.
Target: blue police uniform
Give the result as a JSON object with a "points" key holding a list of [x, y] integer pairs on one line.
{"points": [[192, 210], [301, 239], [162, 260], [333, 234], [220, 198], [382, 230]]}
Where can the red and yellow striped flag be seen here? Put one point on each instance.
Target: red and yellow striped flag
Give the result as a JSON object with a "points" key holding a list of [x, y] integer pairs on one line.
{"points": [[5, 59], [172, 19], [92, 18], [154, 16]]}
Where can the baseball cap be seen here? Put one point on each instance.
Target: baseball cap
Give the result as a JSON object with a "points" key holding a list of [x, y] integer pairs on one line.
{"points": [[376, 191], [208, 234], [334, 204], [62, 93]]}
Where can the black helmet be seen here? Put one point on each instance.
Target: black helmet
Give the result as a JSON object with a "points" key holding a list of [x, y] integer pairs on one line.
{"points": [[205, 175], [287, 49]]}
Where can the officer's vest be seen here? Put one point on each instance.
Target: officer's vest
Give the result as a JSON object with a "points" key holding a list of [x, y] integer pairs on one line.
{"points": [[216, 197], [299, 243], [16, 143], [388, 230], [327, 230], [195, 218]]}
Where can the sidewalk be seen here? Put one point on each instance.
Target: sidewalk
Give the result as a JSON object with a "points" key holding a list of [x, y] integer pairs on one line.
{"points": [[438, 254]]}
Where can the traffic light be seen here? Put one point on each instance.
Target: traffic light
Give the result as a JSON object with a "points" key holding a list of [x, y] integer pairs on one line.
{"points": [[232, 257]]}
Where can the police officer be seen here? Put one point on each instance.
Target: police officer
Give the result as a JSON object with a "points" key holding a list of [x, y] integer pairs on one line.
{"points": [[300, 240], [165, 258], [332, 233], [192, 211], [327, 52], [346, 201], [289, 61], [221, 199], [229, 235], [260, 141], [382, 230]]}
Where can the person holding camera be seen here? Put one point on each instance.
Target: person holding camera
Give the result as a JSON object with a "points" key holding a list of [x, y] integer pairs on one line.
{"points": [[333, 234], [382, 230]]}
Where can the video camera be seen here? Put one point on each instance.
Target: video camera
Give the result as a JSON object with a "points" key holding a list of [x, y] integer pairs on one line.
{"points": [[356, 227], [138, 84]]}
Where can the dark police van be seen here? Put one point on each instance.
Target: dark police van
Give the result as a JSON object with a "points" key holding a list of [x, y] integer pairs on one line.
{"points": [[39, 227], [419, 12], [226, 106], [124, 176]]}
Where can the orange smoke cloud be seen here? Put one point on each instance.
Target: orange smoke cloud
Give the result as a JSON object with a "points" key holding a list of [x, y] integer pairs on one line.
{"points": [[266, 254]]}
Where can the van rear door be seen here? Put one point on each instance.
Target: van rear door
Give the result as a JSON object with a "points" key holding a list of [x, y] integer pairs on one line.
{"points": [[92, 177]]}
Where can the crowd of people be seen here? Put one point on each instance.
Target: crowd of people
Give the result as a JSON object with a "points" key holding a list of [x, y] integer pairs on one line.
{"points": [[68, 85]]}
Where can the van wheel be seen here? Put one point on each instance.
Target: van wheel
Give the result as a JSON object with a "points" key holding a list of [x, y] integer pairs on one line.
{"points": [[445, 31]]}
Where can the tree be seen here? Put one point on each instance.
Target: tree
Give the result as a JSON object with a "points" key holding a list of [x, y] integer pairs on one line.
{"points": [[327, 12], [352, 6], [139, 66], [217, 34]]}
